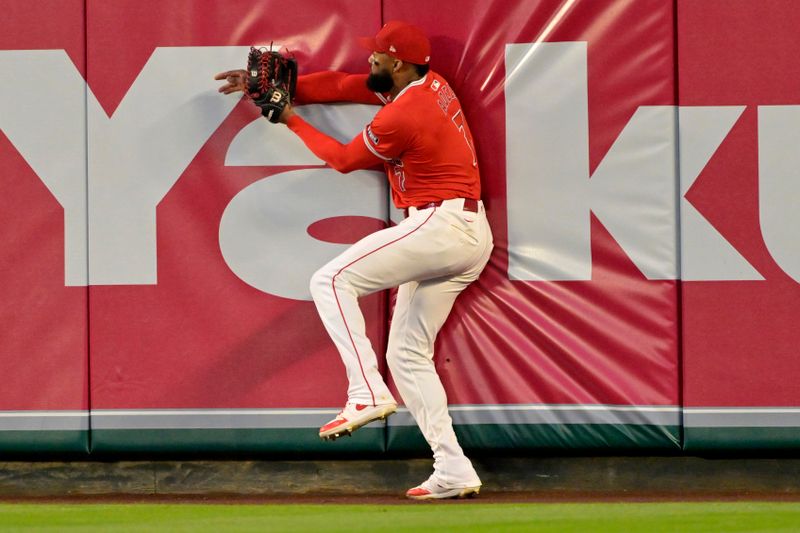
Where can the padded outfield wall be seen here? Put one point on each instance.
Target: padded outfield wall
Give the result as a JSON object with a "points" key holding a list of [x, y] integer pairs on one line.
{"points": [[640, 170]]}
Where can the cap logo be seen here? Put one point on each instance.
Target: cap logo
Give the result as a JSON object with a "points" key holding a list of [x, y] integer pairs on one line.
{"points": [[392, 48]]}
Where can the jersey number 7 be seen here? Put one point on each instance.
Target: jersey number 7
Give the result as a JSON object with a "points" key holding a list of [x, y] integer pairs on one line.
{"points": [[458, 120]]}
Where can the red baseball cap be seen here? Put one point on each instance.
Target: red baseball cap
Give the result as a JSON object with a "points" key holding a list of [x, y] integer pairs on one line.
{"points": [[401, 40]]}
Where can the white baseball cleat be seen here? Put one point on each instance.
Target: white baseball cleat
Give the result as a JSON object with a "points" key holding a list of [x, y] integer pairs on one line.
{"points": [[433, 490], [352, 417]]}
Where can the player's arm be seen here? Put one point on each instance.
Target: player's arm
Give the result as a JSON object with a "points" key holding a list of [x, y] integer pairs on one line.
{"points": [[321, 87], [342, 157]]}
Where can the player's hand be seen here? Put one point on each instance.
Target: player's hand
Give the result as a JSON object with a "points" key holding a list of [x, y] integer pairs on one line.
{"points": [[235, 81], [287, 113]]}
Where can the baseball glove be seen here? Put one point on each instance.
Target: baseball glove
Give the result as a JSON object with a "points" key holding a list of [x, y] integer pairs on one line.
{"points": [[271, 81]]}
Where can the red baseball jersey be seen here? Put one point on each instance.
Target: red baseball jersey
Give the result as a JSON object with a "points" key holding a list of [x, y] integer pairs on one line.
{"points": [[421, 136]]}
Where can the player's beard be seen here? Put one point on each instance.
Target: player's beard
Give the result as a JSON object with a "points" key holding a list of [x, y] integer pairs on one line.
{"points": [[381, 82]]}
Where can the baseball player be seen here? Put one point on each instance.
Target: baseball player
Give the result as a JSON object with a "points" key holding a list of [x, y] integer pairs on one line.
{"points": [[422, 137]]}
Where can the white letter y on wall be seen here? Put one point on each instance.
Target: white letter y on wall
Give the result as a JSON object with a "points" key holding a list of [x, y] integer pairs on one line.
{"points": [[134, 157], [45, 119]]}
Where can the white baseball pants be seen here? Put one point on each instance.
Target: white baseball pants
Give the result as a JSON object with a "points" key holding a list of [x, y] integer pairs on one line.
{"points": [[431, 256]]}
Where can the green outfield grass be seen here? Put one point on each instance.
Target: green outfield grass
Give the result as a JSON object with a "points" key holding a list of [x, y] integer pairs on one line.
{"points": [[462, 516]]}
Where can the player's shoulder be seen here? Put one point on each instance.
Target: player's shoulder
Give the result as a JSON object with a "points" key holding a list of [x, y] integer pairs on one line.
{"points": [[435, 81], [413, 103], [432, 91], [389, 119], [427, 85]]}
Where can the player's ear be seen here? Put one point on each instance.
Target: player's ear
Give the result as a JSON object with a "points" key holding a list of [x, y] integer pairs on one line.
{"points": [[397, 65]]}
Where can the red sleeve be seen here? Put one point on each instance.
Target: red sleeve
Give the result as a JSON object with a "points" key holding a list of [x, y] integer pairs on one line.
{"points": [[342, 157], [335, 87], [389, 134]]}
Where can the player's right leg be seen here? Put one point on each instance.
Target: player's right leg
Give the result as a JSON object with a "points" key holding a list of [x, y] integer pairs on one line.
{"points": [[419, 314], [421, 310]]}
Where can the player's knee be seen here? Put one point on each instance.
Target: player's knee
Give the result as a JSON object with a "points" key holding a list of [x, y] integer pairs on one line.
{"points": [[408, 356], [400, 356], [395, 361], [320, 283], [331, 279]]}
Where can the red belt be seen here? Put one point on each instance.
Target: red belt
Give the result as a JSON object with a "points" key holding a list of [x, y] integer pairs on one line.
{"points": [[470, 204]]}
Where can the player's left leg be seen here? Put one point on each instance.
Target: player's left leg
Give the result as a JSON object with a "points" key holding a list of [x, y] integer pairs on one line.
{"points": [[432, 243]]}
